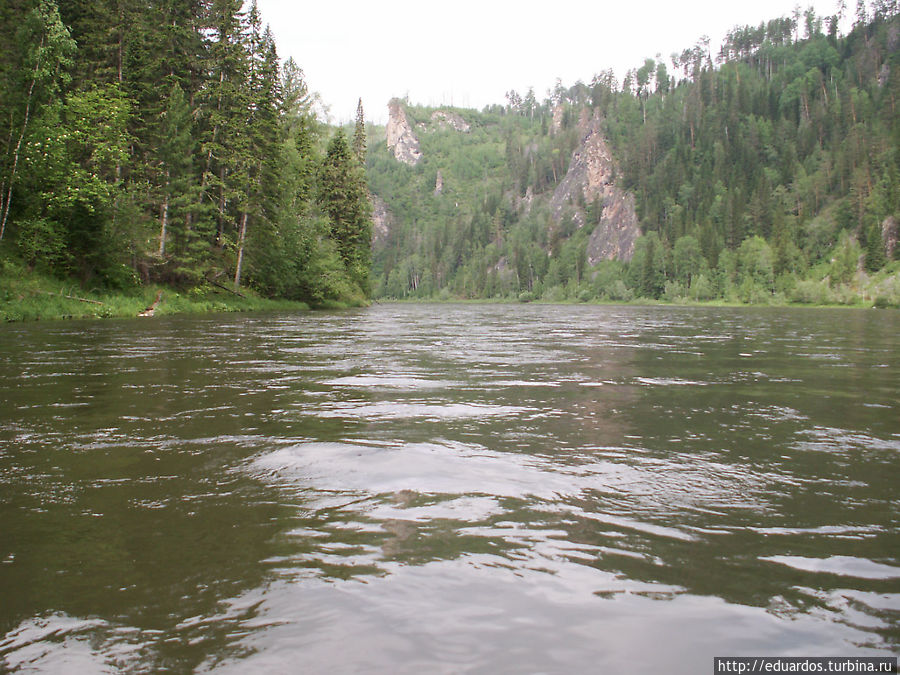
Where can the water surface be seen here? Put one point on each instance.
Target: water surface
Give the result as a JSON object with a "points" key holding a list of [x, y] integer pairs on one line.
{"points": [[445, 488]]}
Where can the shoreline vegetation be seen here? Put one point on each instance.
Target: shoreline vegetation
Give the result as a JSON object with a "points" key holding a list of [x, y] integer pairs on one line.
{"points": [[180, 166], [29, 296]]}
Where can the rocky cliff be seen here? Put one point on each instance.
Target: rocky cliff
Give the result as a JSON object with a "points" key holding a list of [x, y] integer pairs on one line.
{"points": [[382, 221], [443, 119], [400, 137], [591, 177]]}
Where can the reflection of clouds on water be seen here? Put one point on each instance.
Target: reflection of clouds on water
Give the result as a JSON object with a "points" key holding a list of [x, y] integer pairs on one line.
{"points": [[840, 565], [393, 410], [648, 483], [460, 488], [826, 439], [450, 468], [576, 619]]}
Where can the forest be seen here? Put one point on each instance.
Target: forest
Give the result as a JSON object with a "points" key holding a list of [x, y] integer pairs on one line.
{"points": [[164, 142], [768, 172]]}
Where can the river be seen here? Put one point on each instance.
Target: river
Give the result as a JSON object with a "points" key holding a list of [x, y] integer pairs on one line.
{"points": [[449, 488]]}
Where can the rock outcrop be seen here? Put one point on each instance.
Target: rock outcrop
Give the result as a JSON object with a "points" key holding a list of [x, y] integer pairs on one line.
{"points": [[590, 178], [382, 221], [556, 119], [443, 119], [400, 137]]}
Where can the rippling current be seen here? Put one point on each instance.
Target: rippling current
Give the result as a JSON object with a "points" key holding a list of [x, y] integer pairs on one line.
{"points": [[429, 489]]}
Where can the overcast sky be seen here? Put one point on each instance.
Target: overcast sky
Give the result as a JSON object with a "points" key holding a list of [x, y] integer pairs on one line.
{"points": [[469, 53]]}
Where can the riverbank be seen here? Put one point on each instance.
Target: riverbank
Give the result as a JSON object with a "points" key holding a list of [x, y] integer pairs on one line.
{"points": [[880, 290], [29, 296]]}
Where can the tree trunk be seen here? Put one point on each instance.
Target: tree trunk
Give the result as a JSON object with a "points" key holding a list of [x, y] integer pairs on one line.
{"points": [[240, 258], [164, 219], [12, 173]]}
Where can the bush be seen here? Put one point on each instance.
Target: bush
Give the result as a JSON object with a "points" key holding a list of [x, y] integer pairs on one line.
{"points": [[702, 288], [810, 292], [40, 240], [618, 291], [554, 294], [844, 295], [887, 293], [674, 292]]}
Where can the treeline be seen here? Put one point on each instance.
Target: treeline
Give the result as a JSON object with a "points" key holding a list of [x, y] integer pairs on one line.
{"points": [[767, 172], [470, 239], [164, 141], [779, 159]]}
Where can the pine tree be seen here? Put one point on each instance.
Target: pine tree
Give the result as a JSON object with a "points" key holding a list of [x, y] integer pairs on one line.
{"points": [[359, 134], [875, 255], [263, 132], [344, 197], [224, 101]]}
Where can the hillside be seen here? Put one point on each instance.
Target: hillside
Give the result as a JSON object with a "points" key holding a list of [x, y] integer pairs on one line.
{"points": [[769, 173]]}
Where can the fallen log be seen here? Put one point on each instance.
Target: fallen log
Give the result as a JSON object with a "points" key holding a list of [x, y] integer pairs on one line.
{"points": [[225, 288]]}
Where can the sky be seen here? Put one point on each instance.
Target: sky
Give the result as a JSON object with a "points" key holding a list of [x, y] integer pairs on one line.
{"points": [[469, 53]]}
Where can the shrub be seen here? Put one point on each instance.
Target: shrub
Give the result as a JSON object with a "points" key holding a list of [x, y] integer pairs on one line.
{"points": [[619, 291], [40, 240], [810, 292]]}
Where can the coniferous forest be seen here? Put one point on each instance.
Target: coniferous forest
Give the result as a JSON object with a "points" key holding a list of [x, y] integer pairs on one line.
{"points": [[164, 144], [768, 171]]}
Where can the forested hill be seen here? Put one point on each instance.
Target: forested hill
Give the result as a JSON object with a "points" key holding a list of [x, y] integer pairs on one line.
{"points": [[767, 172], [163, 141]]}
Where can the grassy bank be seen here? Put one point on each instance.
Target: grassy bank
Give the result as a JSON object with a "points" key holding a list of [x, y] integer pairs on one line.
{"points": [[29, 296]]}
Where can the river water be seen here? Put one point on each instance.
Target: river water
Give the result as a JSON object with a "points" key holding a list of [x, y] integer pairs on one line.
{"points": [[429, 489]]}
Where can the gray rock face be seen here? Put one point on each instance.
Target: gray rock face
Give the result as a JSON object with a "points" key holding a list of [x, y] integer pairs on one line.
{"points": [[442, 118], [382, 220], [400, 137], [591, 176]]}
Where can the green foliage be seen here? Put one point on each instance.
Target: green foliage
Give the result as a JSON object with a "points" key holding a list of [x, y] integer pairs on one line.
{"points": [[845, 260], [756, 273], [687, 259], [40, 241], [163, 142], [748, 176], [345, 200]]}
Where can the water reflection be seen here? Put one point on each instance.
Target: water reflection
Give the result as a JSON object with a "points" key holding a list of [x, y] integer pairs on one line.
{"points": [[448, 489]]}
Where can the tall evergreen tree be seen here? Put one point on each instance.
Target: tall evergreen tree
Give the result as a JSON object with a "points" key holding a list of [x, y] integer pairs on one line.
{"points": [[224, 101], [344, 197], [359, 134]]}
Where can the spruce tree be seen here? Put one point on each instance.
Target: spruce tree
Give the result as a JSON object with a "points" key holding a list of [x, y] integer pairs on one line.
{"points": [[359, 134], [875, 255], [344, 197], [224, 102]]}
